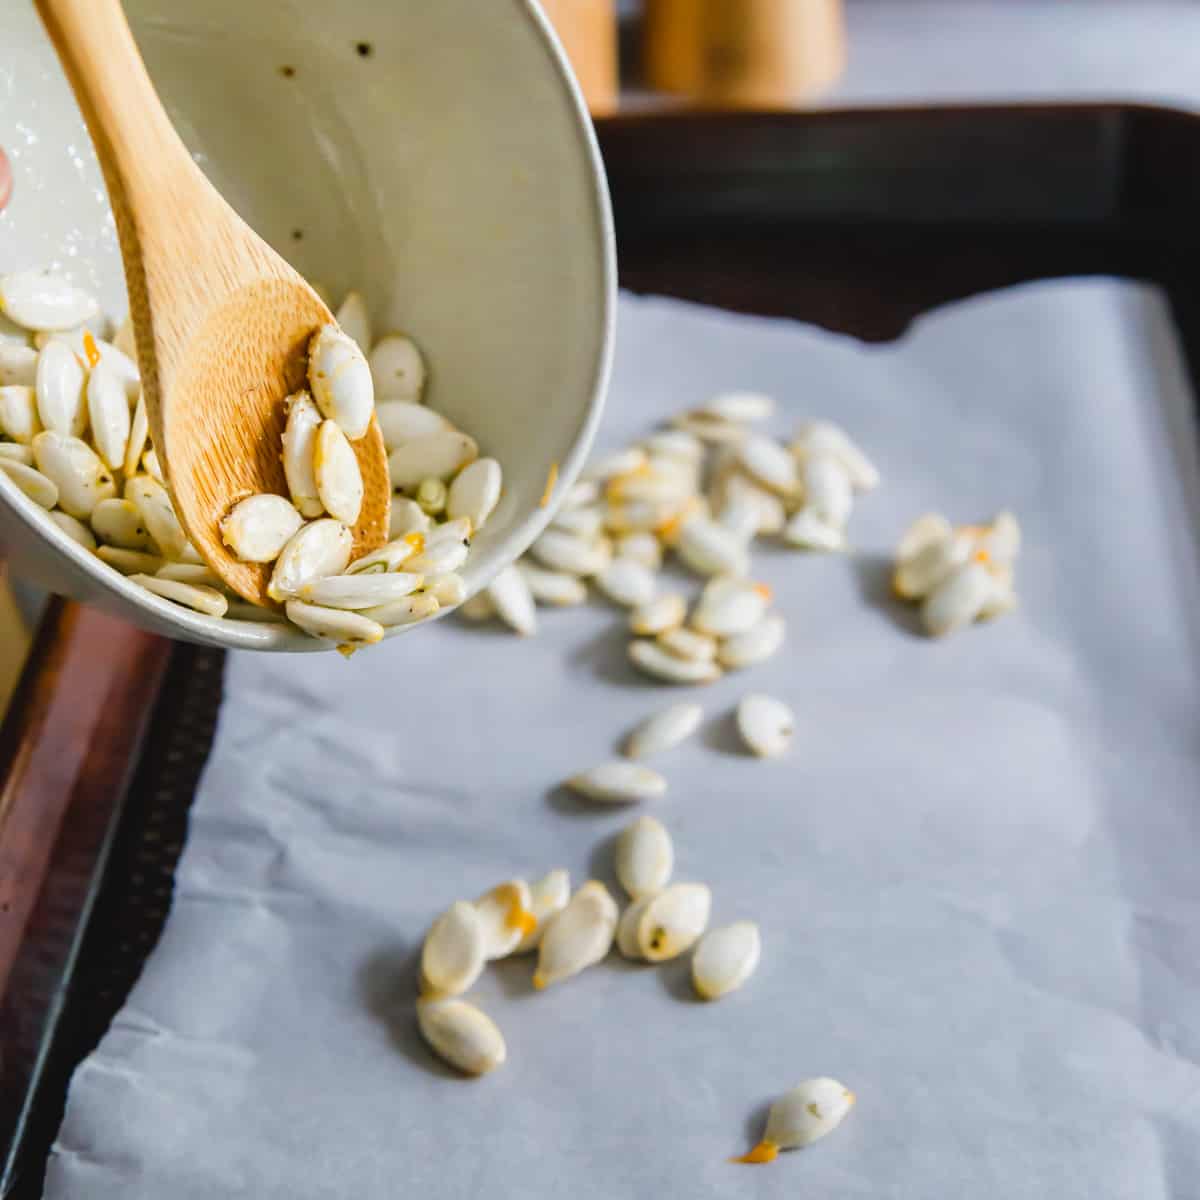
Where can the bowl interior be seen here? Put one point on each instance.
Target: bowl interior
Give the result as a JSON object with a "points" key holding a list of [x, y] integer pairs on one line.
{"points": [[433, 156]]}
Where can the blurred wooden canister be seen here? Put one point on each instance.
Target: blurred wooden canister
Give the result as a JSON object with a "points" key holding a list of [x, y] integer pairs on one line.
{"points": [[588, 31], [744, 53]]}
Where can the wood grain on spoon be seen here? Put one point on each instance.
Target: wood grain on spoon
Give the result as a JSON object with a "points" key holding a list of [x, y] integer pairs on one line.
{"points": [[221, 321]]}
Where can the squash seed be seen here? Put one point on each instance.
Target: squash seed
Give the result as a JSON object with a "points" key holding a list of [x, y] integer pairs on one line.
{"points": [[408, 611], [340, 381], [548, 896], [462, 1035], [513, 601], [18, 413], [552, 587], [130, 562], [455, 950], [441, 455], [204, 600], [578, 936], [257, 529], [475, 491], [674, 921], [61, 378], [315, 550], [618, 782], [808, 1112], [299, 446], [506, 913], [645, 858], [756, 645], [397, 369], [42, 301], [627, 583], [335, 469], [765, 724], [76, 470], [139, 433], [659, 615], [661, 664], [664, 730], [360, 591], [77, 531], [729, 606], [354, 320], [725, 959], [627, 927], [32, 482], [158, 514], [119, 523], [108, 413], [688, 644]]}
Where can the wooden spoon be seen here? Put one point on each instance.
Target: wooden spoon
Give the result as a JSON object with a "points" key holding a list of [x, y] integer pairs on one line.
{"points": [[221, 321]]}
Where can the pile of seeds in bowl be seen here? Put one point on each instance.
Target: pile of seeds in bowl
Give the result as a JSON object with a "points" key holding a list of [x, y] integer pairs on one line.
{"points": [[76, 442]]}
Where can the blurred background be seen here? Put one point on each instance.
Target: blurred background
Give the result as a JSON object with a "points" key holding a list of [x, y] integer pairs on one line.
{"points": [[633, 54]]}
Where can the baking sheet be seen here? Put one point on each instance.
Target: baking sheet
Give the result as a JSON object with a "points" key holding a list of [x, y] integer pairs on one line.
{"points": [[976, 871]]}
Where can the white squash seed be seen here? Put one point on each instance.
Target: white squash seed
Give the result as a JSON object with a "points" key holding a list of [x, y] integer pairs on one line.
{"points": [[61, 377], [108, 414], [438, 455], [397, 368], [664, 730], [660, 664], [440, 557], [42, 301], [627, 583], [194, 573], [158, 514], [673, 921], [32, 482], [389, 557], [315, 550], [475, 492], [455, 950], [725, 959], [513, 601], [645, 857], [547, 897], [448, 589], [808, 1112], [807, 531], [431, 496], [730, 606], [299, 446], [958, 599], [360, 591], [578, 936], [756, 645], [618, 782], [642, 547], [711, 549], [18, 413], [739, 406], [118, 522], [664, 612], [827, 491], [81, 478], [354, 320], [574, 555], [506, 914], [152, 466], [17, 453], [765, 460], [335, 470], [586, 522], [406, 516], [257, 529], [76, 530], [340, 381], [927, 530], [478, 607], [610, 466], [627, 929], [461, 1034], [823, 437], [18, 365], [139, 433], [688, 644], [675, 443], [204, 600], [410, 610], [766, 725], [130, 562], [403, 421], [552, 587]]}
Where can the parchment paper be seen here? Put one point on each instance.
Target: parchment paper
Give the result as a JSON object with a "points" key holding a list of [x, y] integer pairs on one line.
{"points": [[976, 872]]}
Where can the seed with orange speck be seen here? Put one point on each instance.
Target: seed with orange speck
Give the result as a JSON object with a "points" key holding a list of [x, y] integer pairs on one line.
{"points": [[808, 1112]]}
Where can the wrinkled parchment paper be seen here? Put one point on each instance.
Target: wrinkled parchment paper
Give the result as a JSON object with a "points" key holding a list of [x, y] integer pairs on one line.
{"points": [[977, 871]]}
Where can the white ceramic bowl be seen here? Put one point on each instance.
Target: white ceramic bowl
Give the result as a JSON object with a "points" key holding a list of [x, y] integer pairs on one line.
{"points": [[435, 155]]}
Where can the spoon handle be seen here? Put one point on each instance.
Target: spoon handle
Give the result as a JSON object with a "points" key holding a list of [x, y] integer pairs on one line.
{"points": [[160, 199]]}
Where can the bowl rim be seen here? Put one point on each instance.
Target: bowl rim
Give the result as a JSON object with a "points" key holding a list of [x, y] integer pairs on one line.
{"points": [[237, 634]]}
